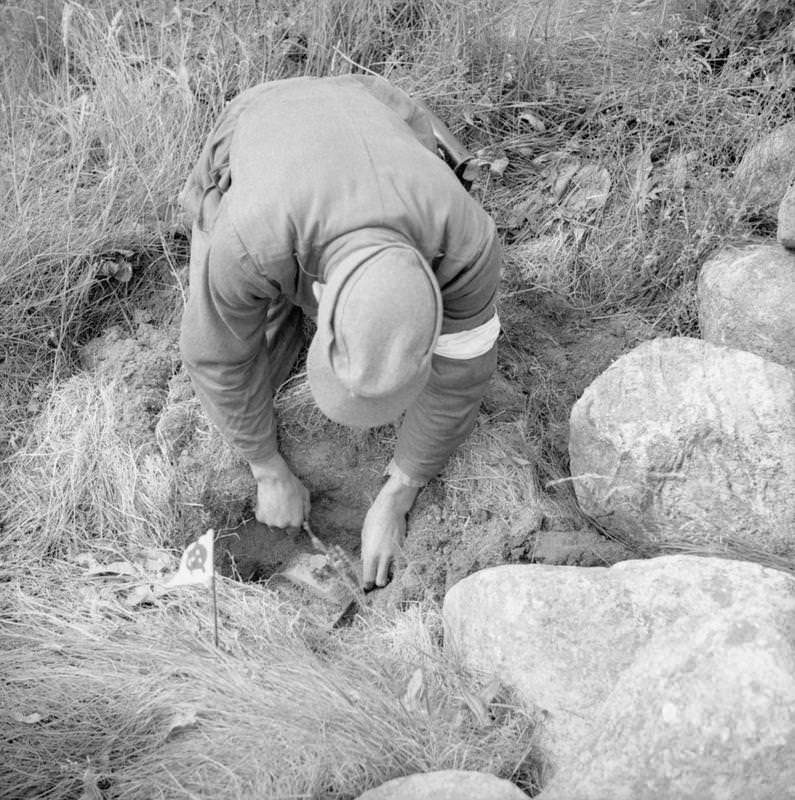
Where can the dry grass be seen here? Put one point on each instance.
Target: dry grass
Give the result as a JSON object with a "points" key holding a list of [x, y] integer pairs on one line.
{"points": [[141, 705], [112, 133], [82, 482], [668, 121], [98, 133], [93, 162]]}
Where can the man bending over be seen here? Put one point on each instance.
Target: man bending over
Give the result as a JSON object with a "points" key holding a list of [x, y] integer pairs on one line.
{"points": [[328, 197]]}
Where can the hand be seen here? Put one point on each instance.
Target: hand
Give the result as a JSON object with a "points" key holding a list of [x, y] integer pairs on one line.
{"points": [[282, 500], [383, 532]]}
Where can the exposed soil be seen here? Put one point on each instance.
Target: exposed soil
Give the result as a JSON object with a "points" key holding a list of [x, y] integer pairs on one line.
{"points": [[550, 352], [255, 552]]}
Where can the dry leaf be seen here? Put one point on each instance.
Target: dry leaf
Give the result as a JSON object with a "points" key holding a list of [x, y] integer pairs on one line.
{"points": [[26, 719], [498, 166], [145, 593], [183, 718], [114, 568], [591, 188], [643, 187], [561, 175], [413, 699], [121, 270], [85, 560], [155, 561], [533, 120]]}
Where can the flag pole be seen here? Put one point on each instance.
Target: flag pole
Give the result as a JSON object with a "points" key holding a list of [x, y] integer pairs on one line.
{"points": [[215, 611]]}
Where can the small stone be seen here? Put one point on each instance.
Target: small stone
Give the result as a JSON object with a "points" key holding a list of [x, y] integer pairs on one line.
{"points": [[450, 784]]}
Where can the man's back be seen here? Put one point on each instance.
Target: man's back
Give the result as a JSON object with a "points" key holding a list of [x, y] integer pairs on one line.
{"points": [[312, 160]]}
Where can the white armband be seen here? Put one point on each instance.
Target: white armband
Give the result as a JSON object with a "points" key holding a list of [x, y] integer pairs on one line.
{"points": [[469, 344]]}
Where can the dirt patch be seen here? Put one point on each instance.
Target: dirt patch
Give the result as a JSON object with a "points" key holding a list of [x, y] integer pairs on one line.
{"points": [[140, 363], [552, 350], [582, 548], [503, 497], [492, 505], [255, 552]]}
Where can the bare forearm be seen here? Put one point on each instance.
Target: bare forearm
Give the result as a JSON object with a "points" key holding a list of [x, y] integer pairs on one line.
{"points": [[270, 468], [399, 496]]}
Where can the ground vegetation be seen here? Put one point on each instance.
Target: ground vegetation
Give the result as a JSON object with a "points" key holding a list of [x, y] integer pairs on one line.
{"points": [[606, 158]]}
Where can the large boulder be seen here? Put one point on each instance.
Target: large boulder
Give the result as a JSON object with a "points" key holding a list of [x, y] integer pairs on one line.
{"points": [[682, 444], [667, 677], [786, 219], [449, 784], [746, 296], [766, 171]]}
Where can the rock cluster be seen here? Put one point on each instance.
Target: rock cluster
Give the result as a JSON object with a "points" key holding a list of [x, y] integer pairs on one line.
{"points": [[667, 677], [688, 444], [672, 676]]}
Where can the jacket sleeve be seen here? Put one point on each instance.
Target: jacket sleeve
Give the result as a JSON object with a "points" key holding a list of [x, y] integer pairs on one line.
{"points": [[445, 412], [223, 340]]}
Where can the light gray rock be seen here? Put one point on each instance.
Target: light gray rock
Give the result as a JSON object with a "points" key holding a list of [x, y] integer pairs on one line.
{"points": [[451, 784], [746, 297], [669, 677], [766, 171], [682, 444], [786, 219]]}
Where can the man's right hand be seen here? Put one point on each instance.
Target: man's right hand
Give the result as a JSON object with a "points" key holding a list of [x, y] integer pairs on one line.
{"points": [[282, 500]]}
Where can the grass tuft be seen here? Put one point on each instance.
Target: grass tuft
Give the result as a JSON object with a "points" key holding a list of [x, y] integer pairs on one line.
{"points": [[620, 155], [141, 704], [82, 482]]}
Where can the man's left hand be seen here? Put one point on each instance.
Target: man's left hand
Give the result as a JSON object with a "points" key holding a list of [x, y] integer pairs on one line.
{"points": [[384, 530]]}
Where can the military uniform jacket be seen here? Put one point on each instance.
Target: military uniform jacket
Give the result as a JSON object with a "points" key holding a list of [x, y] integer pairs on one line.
{"points": [[297, 175]]}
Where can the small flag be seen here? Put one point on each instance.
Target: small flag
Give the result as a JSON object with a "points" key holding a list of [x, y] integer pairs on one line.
{"points": [[196, 565]]}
